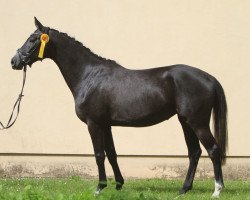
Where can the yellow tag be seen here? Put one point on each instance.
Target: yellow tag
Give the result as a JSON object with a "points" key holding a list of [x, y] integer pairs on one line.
{"points": [[44, 39]]}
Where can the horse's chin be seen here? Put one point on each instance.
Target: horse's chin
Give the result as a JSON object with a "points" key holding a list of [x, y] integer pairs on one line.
{"points": [[22, 65], [18, 67]]}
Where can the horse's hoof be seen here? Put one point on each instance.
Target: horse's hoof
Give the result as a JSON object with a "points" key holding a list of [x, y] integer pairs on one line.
{"points": [[215, 196], [184, 190], [97, 192], [217, 191], [119, 185], [99, 188]]}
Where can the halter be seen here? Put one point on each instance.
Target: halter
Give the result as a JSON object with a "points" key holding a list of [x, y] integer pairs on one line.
{"points": [[25, 57], [44, 39]]}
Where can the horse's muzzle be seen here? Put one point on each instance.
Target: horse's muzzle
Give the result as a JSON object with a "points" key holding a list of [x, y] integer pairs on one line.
{"points": [[16, 62]]}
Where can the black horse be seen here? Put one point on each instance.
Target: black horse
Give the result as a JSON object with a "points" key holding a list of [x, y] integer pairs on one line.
{"points": [[107, 94]]}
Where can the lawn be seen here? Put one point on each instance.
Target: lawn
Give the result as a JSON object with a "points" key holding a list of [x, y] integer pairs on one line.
{"points": [[75, 188]]}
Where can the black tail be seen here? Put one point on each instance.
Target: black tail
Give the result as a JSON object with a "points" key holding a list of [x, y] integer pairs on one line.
{"points": [[220, 121]]}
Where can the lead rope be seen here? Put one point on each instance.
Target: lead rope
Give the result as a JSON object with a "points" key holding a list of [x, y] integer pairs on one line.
{"points": [[16, 105]]}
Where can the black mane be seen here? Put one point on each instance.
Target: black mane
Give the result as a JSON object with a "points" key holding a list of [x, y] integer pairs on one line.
{"points": [[86, 48]]}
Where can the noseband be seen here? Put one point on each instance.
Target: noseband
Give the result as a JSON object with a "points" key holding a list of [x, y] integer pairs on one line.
{"points": [[25, 57]]}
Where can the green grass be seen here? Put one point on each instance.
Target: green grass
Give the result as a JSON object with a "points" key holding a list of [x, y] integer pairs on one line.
{"points": [[75, 188]]}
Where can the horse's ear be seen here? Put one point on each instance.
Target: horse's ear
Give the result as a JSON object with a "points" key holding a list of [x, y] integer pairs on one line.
{"points": [[38, 24]]}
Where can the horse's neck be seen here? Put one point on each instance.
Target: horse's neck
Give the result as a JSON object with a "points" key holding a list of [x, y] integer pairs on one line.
{"points": [[72, 59]]}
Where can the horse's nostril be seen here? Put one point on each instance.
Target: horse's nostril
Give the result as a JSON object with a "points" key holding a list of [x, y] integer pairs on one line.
{"points": [[13, 62]]}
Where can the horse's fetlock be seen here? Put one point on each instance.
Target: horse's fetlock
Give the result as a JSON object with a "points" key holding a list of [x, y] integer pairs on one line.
{"points": [[119, 184], [102, 184]]}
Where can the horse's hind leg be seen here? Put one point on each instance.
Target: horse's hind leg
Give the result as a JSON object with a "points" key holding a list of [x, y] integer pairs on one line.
{"points": [[208, 141], [112, 157], [194, 152]]}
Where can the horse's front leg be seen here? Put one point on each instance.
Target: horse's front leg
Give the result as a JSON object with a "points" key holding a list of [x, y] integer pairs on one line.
{"points": [[97, 135], [112, 157]]}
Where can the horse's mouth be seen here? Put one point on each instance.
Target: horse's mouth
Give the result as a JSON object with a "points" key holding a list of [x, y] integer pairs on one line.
{"points": [[18, 62], [20, 66]]}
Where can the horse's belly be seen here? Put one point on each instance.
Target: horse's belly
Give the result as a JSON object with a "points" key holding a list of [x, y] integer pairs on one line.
{"points": [[140, 118]]}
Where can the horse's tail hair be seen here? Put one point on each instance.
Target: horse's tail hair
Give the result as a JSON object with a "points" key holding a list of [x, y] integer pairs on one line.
{"points": [[220, 120]]}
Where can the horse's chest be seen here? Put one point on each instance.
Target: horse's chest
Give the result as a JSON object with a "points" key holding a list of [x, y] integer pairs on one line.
{"points": [[91, 108]]}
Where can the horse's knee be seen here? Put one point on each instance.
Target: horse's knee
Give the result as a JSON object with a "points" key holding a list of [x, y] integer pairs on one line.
{"points": [[100, 158]]}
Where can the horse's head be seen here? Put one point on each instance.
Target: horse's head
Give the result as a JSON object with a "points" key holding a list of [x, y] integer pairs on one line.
{"points": [[33, 49]]}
